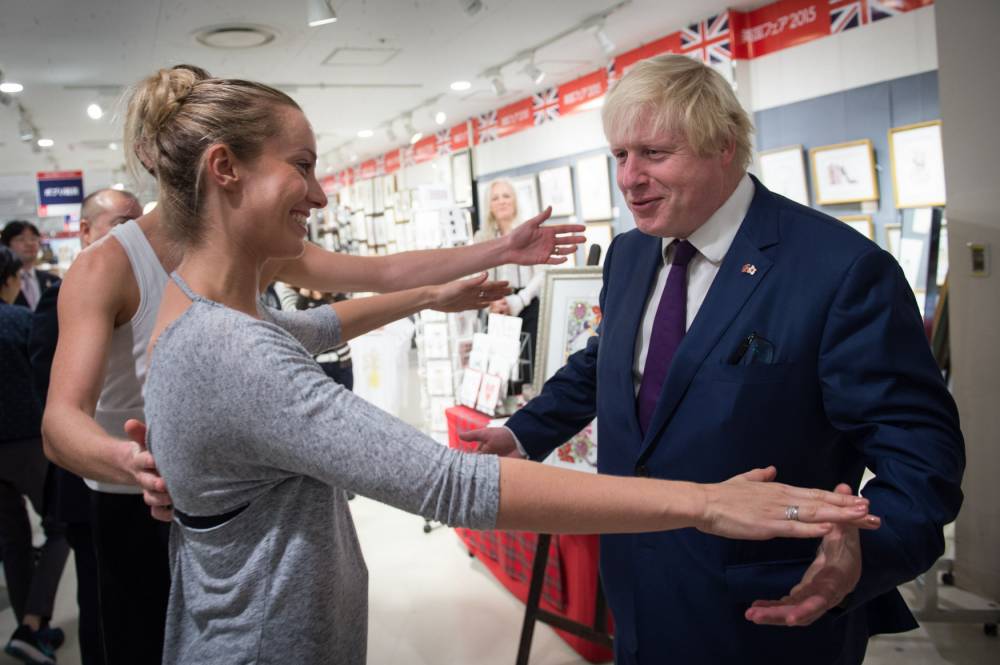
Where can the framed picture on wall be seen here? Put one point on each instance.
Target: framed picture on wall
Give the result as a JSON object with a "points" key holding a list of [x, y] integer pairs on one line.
{"points": [[594, 184], [893, 234], [917, 165], [597, 234], [783, 171], [570, 314], [862, 224], [844, 172], [556, 189], [461, 178]]}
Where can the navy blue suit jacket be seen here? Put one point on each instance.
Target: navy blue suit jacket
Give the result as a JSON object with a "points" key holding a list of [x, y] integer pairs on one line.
{"points": [[851, 384], [45, 280]]}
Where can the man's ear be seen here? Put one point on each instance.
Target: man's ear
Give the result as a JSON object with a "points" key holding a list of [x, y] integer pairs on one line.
{"points": [[220, 165], [728, 152], [85, 229]]}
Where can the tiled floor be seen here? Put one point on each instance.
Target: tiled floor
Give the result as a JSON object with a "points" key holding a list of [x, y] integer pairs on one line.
{"points": [[430, 604]]}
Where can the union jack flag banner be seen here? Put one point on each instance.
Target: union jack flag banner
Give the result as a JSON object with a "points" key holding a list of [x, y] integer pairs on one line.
{"points": [[846, 15], [486, 127], [443, 141], [710, 39], [545, 105], [407, 155]]}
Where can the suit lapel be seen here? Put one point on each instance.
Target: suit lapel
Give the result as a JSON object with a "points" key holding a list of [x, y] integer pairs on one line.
{"points": [[728, 294]]}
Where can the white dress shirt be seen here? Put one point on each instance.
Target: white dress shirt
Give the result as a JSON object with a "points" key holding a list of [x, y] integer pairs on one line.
{"points": [[712, 240], [30, 287]]}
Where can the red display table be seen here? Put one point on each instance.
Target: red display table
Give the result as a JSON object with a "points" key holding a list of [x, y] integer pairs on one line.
{"points": [[570, 586]]}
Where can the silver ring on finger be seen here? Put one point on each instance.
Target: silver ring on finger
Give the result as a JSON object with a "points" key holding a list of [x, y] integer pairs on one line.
{"points": [[482, 294], [792, 513]]}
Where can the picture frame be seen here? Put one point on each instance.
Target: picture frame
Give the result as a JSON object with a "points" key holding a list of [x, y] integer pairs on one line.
{"points": [[593, 180], [555, 187], [844, 172], [862, 224], [893, 235], [599, 234], [783, 171], [461, 178], [917, 160], [570, 314]]}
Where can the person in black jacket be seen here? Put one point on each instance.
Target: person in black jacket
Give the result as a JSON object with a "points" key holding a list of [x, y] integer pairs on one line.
{"points": [[31, 585], [23, 239]]}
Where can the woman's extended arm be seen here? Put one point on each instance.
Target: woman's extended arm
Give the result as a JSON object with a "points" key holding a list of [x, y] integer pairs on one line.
{"points": [[528, 244]]}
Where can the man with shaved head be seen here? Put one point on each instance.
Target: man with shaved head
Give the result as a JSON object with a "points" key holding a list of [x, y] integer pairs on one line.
{"points": [[101, 211]]}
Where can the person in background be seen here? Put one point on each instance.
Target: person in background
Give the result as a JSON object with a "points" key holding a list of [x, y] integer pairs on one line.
{"points": [[31, 585], [24, 239], [527, 281], [739, 326], [101, 211]]}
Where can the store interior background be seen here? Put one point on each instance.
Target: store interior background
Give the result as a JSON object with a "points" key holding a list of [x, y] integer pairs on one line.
{"points": [[384, 60]]}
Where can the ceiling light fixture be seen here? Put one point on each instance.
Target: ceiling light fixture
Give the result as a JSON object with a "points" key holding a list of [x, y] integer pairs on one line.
{"points": [[365, 134], [459, 86], [496, 81], [533, 72], [46, 143], [390, 133], [320, 13], [112, 146], [440, 117], [25, 130], [10, 87], [119, 186], [408, 124], [416, 137], [602, 38], [354, 158], [95, 112]]}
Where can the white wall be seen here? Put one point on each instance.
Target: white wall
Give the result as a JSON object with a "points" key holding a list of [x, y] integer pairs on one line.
{"points": [[892, 48], [570, 135], [970, 98]]}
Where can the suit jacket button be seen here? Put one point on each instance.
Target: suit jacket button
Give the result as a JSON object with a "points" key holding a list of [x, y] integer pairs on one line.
{"points": [[642, 471]]}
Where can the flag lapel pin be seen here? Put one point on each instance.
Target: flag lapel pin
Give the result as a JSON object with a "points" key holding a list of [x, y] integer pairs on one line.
{"points": [[749, 269]]}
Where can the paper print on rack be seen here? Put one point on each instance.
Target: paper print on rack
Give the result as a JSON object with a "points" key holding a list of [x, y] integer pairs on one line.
{"points": [[844, 172], [595, 188], [438, 406], [439, 381], [570, 314], [436, 340], [489, 394], [556, 189], [783, 171], [917, 165], [461, 178], [468, 393]]}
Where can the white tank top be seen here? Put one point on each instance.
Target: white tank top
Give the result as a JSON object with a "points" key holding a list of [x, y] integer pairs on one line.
{"points": [[121, 397]]}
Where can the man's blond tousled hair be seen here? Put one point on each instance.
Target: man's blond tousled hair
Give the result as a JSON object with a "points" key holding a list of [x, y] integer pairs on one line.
{"points": [[674, 93]]}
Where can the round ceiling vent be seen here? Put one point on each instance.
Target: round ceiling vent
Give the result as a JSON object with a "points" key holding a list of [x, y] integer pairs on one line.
{"points": [[235, 36]]}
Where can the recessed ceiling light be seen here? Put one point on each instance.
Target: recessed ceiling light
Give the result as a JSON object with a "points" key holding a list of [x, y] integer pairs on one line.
{"points": [[365, 133], [440, 117], [95, 111], [119, 186], [10, 87], [46, 143], [459, 86], [112, 146], [235, 36]]}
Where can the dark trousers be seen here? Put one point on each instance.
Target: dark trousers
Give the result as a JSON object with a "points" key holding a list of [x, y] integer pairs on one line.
{"points": [[81, 541], [31, 585], [133, 578]]}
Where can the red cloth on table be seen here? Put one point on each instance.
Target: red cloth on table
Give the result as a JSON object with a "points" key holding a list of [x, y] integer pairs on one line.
{"points": [[570, 586]]}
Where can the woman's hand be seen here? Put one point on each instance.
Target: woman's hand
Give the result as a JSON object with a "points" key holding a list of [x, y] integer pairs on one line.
{"points": [[472, 293], [531, 243], [751, 507]]}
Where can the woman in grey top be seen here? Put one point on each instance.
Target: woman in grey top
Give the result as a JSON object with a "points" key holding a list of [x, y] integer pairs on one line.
{"points": [[257, 446]]}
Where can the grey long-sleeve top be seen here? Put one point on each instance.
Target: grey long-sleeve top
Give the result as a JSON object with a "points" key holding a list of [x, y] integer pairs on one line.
{"points": [[240, 415]]}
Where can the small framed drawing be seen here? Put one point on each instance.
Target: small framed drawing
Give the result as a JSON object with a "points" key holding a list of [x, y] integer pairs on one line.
{"points": [[862, 224], [597, 234], [783, 171], [556, 188], [893, 234], [594, 183], [439, 381], [570, 314], [844, 172], [917, 165]]}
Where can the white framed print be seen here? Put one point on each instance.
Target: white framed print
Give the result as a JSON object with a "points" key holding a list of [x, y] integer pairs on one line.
{"points": [[844, 172], [860, 223], [461, 178], [556, 189], [893, 234], [917, 165], [599, 234], [570, 314], [594, 182], [783, 171]]}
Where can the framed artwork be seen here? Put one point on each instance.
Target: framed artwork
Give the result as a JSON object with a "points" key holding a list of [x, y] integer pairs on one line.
{"points": [[436, 339], [579, 453], [439, 381], [893, 234], [570, 314], [597, 234], [594, 183], [783, 171], [461, 178], [917, 165], [556, 189], [862, 224], [844, 172]]}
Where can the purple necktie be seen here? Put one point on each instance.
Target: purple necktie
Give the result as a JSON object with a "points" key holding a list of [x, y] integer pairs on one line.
{"points": [[669, 326]]}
